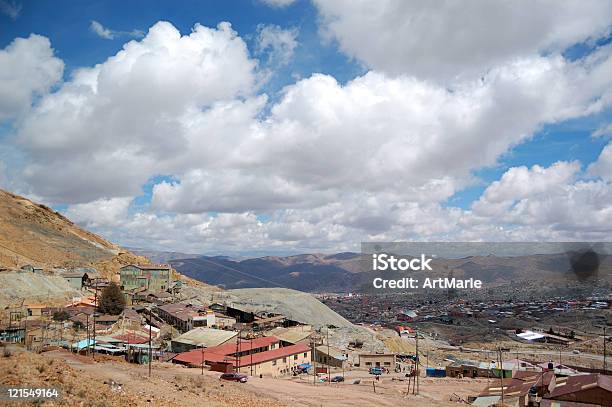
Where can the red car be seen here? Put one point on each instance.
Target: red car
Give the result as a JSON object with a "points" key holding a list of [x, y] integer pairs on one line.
{"points": [[234, 377]]}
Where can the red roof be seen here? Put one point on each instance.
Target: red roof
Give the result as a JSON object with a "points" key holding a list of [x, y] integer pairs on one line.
{"points": [[213, 354], [131, 338], [245, 345]]}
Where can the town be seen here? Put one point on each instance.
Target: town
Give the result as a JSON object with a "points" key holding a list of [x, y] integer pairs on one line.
{"points": [[147, 315]]}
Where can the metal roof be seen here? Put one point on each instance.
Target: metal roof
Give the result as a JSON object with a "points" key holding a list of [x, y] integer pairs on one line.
{"points": [[206, 337]]}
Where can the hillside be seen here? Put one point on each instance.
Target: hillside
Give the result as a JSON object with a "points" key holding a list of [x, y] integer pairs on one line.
{"points": [[342, 272], [32, 233]]}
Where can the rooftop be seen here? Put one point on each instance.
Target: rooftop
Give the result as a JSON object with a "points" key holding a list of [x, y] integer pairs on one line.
{"points": [[206, 337]]}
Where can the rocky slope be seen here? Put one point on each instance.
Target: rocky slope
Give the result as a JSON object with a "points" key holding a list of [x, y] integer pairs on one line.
{"points": [[32, 233]]}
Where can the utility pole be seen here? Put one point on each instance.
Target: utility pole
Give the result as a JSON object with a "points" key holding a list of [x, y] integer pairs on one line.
{"points": [[417, 361], [251, 351], [87, 335], [202, 356], [501, 374], [604, 349], [328, 358], [150, 339], [314, 360]]}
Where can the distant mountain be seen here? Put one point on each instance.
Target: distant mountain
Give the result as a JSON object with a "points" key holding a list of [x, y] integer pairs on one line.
{"points": [[306, 272], [342, 272]]}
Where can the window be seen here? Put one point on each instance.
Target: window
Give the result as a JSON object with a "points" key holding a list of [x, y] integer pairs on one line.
{"points": [[284, 360], [305, 354], [295, 357], [387, 363], [274, 362], [368, 363]]}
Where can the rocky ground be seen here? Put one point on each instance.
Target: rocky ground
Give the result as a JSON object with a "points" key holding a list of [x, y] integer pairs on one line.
{"points": [[112, 382]]}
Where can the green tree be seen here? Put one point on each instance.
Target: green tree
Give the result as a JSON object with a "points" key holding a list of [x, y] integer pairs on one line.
{"points": [[61, 316], [111, 300]]}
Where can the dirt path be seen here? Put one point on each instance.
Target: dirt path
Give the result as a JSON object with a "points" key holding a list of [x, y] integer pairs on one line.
{"points": [[172, 384]]}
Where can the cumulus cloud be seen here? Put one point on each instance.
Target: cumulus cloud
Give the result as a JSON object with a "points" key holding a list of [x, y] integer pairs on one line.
{"points": [[129, 117], [547, 198], [326, 165], [100, 213], [108, 34], [603, 166], [277, 43], [28, 69], [446, 40]]}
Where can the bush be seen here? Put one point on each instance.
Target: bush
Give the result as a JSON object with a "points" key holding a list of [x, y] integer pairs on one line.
{"points": [[111, 300]]}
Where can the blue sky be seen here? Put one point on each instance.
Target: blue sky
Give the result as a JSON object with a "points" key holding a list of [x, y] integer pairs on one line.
{"points": [[320, 123]]}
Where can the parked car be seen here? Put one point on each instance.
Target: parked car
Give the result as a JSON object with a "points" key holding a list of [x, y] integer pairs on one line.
{"points": [[234, 377], [375, 371], [337, 379]]}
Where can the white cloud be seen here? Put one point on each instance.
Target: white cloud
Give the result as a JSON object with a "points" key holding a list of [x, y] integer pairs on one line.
{"points": [[544, 203], [603, 166], [101, 31], [100, 213], [28, 69], [603, 131], [130, 117], [278, 3], [327, 165], [519, 183], [108, 34], [10, 8], [446, 40], [279, 44]]}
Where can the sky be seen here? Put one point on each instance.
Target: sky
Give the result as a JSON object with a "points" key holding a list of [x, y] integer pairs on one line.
{"points": [[259, 127]]}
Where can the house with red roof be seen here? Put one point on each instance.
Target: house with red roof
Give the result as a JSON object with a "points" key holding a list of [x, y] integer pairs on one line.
{"points": [[257, 356]]}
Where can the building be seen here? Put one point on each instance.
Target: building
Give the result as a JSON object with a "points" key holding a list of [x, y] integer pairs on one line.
{"points": [[155, 277], [330, 356], [368, 360], [77, 279], [219, 320], [28, 268], [201, 337], [258, 356], [291, 336], [591, 388], [183, 317]]}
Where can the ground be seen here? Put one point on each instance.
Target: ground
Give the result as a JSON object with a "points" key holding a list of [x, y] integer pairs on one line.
{"points": [[112, 382]]}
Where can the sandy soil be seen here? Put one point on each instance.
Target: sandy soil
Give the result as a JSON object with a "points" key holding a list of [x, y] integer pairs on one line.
{"points": [[113, 382]]}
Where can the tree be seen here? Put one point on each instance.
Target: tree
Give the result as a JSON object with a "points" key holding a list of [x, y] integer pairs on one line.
{"points": [[61, 316], [111, 300]]}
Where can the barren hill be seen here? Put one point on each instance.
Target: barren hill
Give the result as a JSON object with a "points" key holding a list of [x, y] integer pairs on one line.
{"points": [[32, 233]]}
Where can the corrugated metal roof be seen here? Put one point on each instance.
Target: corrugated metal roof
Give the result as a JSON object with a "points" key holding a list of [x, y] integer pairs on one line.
{"points": [[206, 337]]}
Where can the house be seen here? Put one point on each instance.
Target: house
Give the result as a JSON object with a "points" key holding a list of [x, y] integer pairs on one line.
{"points": [[183, 317], [76, 280], [28, 268], [106, 320], [466, 368], [591, 388], [156, 277], [35, 310], [258, 356], [201, 337], [330, 356], [367, 360]]}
